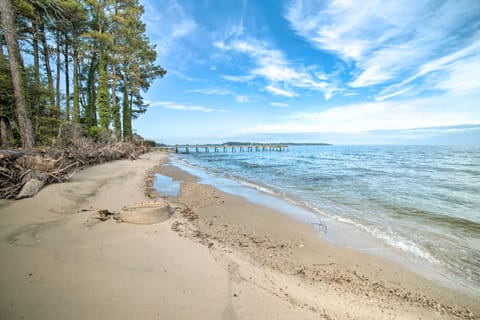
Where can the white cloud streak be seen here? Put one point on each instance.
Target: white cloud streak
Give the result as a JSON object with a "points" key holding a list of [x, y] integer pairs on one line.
{"points": [[280, 92], [279, 104], [221, 92], [394, 42], [239, 78], [180, 106], [168, 25], [243, 99], [383, 115], [272, 66]]}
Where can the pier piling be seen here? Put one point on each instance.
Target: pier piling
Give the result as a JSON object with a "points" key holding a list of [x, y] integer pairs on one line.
{"points": [[226, 148]]}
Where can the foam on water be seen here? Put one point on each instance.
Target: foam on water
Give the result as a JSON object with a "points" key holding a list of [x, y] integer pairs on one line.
{"points": [[416, 203]]}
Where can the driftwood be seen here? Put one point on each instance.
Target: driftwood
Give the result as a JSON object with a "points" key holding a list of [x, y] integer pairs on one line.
{"points": [[25, 172]]}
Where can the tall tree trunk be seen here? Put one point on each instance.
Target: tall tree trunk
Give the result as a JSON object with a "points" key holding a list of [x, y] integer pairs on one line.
{"points": [[24, 123], [4, 130], [36, 59], [103, 99], [4, 134], [127, 118], [76, 89], [36, 107], [90, 108], [67, 78], [117, 125], [43, 39], [57, 79]]}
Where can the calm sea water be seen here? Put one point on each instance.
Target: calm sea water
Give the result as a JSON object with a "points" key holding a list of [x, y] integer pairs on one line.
{"points": [[422, 201]]}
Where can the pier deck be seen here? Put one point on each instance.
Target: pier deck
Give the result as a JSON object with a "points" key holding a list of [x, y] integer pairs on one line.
{"points": [[186, 149]]}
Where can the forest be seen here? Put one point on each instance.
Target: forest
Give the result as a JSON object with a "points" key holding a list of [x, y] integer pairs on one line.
{"points": [[81, 64]]}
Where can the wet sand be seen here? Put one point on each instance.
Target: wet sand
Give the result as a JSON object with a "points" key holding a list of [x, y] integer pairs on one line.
{"points": [[217, 257]]}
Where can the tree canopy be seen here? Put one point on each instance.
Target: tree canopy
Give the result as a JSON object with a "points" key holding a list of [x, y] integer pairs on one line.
{"points": [[84, 62]]}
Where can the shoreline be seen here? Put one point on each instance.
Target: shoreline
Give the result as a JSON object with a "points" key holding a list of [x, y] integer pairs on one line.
{"points": [[337, 232], [217, 257], [411, 284]]}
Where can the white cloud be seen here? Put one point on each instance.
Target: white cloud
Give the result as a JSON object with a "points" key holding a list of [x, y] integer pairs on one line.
{"points": [[180, 75], [272, 66], [280, 92], [239, 78], [243, 99], [384, 95], [463, 75], [383, 115], [168, 25], [180, 106], [279, 104], [460, 71], [389, 41], [183, 28], [278, 73], [221, 92]]}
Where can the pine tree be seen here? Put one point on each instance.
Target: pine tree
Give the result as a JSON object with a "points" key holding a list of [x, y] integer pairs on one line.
{"points": [[98, 48], [24, 122], [103, 95], [137, 57], [7, 99]]}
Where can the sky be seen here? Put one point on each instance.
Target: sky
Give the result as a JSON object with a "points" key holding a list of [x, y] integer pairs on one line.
{"points": [[342, 71]]}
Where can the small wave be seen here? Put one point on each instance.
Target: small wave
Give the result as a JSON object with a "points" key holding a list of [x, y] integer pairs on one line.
{"points": [[390, 239], [381, 191], [253, 185]]}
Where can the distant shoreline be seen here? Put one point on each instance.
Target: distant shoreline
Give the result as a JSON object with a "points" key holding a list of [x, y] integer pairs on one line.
{"points": [[237, 143]]}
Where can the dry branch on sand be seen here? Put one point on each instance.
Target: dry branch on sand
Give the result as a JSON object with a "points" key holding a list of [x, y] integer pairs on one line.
{"points": [[25, 172]]}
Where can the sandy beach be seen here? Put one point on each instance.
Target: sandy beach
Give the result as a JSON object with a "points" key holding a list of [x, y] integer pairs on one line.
{"points": [[217, 257]]}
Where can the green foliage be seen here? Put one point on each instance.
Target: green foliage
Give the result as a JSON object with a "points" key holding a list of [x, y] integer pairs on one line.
{"points": [[103, 44], [103, 99], [127, 116], [7, 99], [101, 135], [117, 124], [47, 129], [149, 143]]}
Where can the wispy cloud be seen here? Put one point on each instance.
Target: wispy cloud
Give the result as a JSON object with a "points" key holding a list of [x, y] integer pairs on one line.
{"points": [[393, 42], [239, 78], [279, 104], [181, 106], [181, 75], [272, 66], [221, 92], [383, 115], [243, 99], [280, 92], [168, 25], [457, 71]]}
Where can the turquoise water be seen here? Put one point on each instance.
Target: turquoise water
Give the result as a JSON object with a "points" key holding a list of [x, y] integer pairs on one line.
{"points": [[422, 201]]}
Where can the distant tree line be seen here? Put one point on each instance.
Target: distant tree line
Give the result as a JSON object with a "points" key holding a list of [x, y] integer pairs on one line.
{"points": [[72, 62]]}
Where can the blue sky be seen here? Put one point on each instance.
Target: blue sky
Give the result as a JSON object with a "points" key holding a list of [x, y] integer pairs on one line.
{"points": [[344, 71]]}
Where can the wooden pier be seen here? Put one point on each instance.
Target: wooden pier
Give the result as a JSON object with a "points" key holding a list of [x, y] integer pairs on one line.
{"points": [[224, 148]]}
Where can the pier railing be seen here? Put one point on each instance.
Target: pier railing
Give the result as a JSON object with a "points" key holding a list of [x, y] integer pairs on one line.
{"points": [[223, 148]]}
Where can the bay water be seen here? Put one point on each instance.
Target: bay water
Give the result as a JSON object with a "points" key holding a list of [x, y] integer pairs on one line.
{"points": [[420, 202]]}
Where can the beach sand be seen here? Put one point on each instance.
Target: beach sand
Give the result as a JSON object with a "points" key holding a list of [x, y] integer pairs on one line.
{"points": [[217, 257]]}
